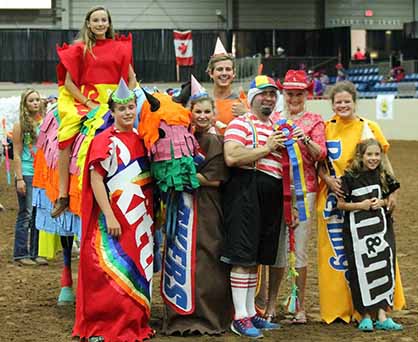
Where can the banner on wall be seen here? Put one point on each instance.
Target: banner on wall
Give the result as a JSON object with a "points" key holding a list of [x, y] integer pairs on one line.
{"points": [[384, 107], [183, 46]]}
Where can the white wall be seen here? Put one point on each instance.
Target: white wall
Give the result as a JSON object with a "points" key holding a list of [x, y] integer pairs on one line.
{"points": [[201, 14], [405, 113], [152, 14], [358, 39], [276, 14]]}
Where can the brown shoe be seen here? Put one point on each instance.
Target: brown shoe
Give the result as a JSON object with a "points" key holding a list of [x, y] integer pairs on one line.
{"points": [[26, 262], [59, 206]]}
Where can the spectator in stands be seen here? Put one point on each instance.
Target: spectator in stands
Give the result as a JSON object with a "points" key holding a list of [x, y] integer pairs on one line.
{"points": [[267, 53], [367, 58], [319, 88], [341, 76], [394, 59], [281, 52], [358, 56], [324, 77], [397, 73]]}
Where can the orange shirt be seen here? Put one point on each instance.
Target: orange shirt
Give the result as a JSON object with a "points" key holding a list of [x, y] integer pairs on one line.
{"points": [[224, 111]]}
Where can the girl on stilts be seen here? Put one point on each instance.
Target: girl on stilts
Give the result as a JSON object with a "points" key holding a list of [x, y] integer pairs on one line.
{"points": [[88, 71]]}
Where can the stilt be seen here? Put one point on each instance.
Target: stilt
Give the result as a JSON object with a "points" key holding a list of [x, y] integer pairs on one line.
{"points": [[66, 296]]}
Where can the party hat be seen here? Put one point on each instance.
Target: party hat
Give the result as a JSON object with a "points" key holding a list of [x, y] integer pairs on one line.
{"points": [[122, 94], [219, 48], [197, 89]]}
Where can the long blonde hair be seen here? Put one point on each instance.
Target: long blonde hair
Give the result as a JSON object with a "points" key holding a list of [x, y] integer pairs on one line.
{"points": [[86, 36], [356, 164], [27, 121]]}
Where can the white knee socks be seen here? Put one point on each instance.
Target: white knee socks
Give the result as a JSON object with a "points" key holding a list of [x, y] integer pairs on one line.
{"points": [[243, 287]]}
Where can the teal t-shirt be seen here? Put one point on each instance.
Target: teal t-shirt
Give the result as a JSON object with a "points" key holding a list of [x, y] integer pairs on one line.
{"points": [[28, 154]]}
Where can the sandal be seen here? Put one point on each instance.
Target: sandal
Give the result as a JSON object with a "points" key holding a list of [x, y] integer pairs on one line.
{"points": [[388, 324], [271, 318], [59, 206], [300, 318], [366, 325]]}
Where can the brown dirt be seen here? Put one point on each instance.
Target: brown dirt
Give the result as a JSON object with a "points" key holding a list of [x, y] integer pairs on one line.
{"points": [[28, 310]]}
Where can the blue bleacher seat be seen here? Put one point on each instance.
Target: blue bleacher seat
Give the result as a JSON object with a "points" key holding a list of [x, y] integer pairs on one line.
{"points": [[362, 87]]}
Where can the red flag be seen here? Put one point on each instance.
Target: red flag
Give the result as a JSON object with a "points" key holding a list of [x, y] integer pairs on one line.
{"points": [[183, 45]]}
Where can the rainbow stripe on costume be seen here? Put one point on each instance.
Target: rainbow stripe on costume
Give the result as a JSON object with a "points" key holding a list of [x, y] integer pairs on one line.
{"points": [[120, 267]]}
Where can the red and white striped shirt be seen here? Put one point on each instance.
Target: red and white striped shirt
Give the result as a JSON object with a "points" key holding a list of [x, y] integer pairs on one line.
{"points": [[240, 130]]}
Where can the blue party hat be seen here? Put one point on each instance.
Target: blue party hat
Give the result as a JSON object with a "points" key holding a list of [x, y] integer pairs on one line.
{"points": [[197, 89], [122, 94]]}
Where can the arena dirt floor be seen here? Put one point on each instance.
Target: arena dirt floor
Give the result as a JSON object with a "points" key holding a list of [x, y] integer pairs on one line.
{"points": [[28, 310]]}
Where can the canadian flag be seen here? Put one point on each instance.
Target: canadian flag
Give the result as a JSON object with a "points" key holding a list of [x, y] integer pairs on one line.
{"points": [[183, 45]]}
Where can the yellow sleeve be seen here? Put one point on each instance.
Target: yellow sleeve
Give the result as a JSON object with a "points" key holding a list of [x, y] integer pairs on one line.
{"points": [[379, 135]]}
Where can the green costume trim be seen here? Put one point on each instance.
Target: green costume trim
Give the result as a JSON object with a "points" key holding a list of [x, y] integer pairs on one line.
{"points": [[125, 100], [175, 174]]}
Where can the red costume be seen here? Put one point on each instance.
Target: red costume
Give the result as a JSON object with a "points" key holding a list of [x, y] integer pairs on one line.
{"points": [[114, 279]]}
